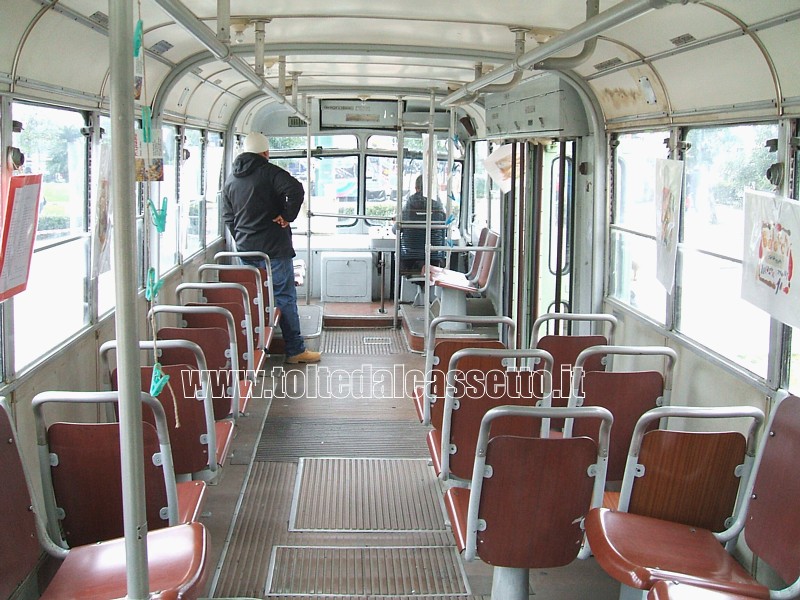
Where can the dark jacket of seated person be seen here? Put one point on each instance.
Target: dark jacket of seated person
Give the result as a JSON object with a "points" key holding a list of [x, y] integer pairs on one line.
{"points": [[412, 240]]}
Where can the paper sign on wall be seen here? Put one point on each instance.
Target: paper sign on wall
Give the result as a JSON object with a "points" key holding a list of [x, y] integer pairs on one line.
{"points": [[669, 180], [771, 235], [21, 212]]}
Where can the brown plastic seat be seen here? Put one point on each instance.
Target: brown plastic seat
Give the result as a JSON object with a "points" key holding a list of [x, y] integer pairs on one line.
{"points": [[478, 381], [428, 398], [86, 456], [177, 556], [627, 394], [639, 551], [455, 286], [528, 496], [672, 590]]}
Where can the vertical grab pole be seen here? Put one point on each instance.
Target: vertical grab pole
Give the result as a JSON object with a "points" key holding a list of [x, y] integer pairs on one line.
{"points": [[398, 211], [432, 163], [123, 198], [309, 266]]}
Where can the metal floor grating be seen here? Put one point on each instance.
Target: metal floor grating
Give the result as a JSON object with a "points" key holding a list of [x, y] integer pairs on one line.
{"points": [[366, 495], [379, 571], [290, 438], [368, 342]]}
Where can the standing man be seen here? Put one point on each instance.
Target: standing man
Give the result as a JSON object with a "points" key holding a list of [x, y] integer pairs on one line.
{"points": [[259, 201]]}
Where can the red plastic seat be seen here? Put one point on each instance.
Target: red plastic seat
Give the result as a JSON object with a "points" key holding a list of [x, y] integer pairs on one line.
{"points": [[639, 551]]}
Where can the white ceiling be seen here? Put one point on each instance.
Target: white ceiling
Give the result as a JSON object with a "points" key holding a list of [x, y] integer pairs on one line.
{"points": [[743, 56]]}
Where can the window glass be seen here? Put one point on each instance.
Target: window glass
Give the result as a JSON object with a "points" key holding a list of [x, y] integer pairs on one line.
{"points": [[191, 192], [56, 283], [54, 146], [334, 190], [481, 188], [721, 163], [632, 277], [167, 189], [215, 155], [325, 142]]}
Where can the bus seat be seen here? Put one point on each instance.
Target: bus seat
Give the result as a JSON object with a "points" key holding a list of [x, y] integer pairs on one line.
{"points": [[235, 298], [673, 590], [205, 316], [193, 430], [627, 394], [478, 380], [258, 284], [177, 556], [215, 345], [455, 287], [566, 346], [638, 551], [692, 477], [429, 397], [76, 457], [528, 496]]}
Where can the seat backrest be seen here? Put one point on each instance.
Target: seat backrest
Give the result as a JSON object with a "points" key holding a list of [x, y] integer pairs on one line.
{"points": [[533, 493], [214, 342], [481, 382], [772, 529], [87, 481], [473, 268], [486, 260], [19, 546], [565, 350], [628, 395], [232, 302], [186, 417], [696, 476], [442, 352], [689, 477]]}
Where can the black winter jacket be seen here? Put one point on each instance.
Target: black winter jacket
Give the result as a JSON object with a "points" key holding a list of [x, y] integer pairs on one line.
{"points": [[254, 194]]}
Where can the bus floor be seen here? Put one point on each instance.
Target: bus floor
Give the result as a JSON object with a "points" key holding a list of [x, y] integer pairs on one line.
{"points": [[329, 492]]}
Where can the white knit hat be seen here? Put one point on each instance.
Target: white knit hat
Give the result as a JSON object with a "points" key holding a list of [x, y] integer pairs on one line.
{"points": [[256, 143]]}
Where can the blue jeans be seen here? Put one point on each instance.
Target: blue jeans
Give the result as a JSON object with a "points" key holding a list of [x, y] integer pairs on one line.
{"points": [[286, 301]]}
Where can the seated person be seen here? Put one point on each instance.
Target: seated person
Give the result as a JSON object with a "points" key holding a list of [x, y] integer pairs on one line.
{"points": [[412, 240]]}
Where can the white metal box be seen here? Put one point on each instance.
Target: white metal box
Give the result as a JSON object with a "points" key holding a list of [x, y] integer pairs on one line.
{"points": [[346, 276]]}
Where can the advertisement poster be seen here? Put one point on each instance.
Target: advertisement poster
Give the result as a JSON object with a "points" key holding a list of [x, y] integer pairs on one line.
{"points": [[771, 235], [669, 180], [149, 156], [498, 166], [19, 233], [101, 232]]}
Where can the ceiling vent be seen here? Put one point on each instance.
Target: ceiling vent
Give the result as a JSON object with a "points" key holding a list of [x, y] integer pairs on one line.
{"points": [[607, 64], [682, 40], [100, 18], [160, 47]]}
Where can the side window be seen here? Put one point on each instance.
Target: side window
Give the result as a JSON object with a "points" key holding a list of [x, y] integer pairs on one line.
{"points": [[633, 224], [167, 190], [54, 146], [720, 164], [191, 191]]}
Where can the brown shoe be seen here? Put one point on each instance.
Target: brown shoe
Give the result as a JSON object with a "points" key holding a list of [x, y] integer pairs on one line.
{"points": [[305, 357]]}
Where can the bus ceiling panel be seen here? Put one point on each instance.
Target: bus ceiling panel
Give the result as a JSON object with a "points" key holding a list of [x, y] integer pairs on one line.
{"points": [[670, 28], [561, 14], [629, 92], [66, 54], [16, 18], [713, 76], [782, 44], [754, 12]]}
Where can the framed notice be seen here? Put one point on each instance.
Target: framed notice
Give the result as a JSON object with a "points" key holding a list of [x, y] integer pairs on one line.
{"points": [[21, 212]]}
